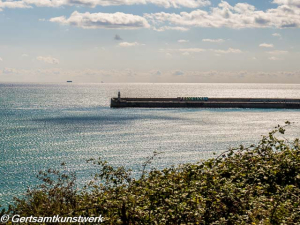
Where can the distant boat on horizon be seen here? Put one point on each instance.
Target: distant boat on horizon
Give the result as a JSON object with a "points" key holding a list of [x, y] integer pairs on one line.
{"points": [[69, 81]]}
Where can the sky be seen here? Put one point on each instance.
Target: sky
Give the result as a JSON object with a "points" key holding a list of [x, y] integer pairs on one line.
{"points": [[153, 41]]}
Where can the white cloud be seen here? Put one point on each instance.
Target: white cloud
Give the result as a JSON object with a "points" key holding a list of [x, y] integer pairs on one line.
{"points": [[164, 28], [9, 70], [48, 59], [213, 40], [46, 3], [295, 3], [191, 50], [265, 45], [273, 58], [13, 4], [180, 3], [187, 51], [278, 52], [94, 3], [276, 35], [129, 44], [229, 50], [116, 20], [183, 41], [241, 15], [25, 55], [1, 59]]}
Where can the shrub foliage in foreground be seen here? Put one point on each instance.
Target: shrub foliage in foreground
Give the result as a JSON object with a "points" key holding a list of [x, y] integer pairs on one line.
{"points": [[255, 185]]}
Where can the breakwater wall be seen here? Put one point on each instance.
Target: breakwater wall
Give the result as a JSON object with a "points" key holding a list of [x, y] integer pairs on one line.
{"points": [[194, 102]]}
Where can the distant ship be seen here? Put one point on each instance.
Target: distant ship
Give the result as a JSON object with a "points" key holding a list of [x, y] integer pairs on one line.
{"points": [[69, 81]]}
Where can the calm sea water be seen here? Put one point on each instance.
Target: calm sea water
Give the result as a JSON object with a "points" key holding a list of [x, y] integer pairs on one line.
{"points": [[42, 125]]}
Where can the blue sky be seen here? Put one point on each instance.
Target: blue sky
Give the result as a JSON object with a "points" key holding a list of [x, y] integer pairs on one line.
{"points": [[158, 41]]}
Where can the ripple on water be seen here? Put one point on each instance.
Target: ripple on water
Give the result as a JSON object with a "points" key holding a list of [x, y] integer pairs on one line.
{"points": [[44, 125]]}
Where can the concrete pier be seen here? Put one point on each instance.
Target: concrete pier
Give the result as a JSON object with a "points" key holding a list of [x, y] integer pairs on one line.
{"points": [[198, 102]]}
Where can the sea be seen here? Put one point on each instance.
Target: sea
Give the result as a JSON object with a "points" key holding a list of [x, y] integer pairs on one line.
{"points": [[43, 125]]}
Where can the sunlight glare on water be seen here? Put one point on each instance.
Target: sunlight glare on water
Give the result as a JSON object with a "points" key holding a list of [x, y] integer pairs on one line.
{"points": [[43, 125]]}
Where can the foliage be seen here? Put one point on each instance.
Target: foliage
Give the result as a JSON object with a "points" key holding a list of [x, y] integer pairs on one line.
{"points": [[259, 184]]}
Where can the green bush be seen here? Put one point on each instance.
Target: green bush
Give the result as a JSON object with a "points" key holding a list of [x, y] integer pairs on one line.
{"points": [[259, 184]]}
